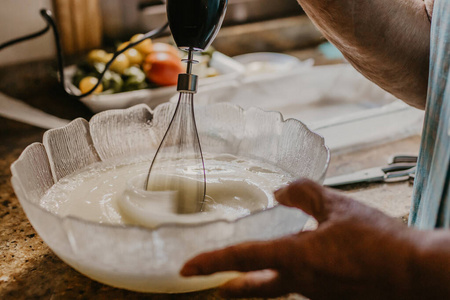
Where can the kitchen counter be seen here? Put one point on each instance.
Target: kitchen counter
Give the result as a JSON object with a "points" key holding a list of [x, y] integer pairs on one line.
{"points": [[29, 269]]}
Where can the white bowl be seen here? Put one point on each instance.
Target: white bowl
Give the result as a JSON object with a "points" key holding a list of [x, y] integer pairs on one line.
{"points": [[270, 57], [270, 62], [228, 70], [148, 260]]}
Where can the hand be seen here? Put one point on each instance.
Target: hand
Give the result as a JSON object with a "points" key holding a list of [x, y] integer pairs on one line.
{"points": [[356, 253]]}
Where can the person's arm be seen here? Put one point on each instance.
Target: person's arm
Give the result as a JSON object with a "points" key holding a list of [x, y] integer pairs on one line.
{"points": [[431, 266], [356, 253], [388, 41]]}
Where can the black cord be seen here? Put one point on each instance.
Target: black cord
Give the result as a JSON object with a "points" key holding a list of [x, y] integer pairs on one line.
{"points": [[24, 38], [47, 15]]}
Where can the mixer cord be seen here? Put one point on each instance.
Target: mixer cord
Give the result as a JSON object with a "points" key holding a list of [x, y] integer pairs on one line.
{"points": [[47, 15]]}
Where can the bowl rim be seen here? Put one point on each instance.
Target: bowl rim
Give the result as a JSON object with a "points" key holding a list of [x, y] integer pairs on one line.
{"points": [[277, 206]]}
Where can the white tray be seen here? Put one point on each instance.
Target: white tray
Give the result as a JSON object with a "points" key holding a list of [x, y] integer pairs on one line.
{"points": [[335, 101]]}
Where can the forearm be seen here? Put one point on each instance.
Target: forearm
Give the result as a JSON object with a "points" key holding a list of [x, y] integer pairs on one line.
{"points": [[431, 266], [386, 40]]}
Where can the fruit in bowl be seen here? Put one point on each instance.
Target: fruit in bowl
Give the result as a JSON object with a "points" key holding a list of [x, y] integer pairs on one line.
{"points": [[146, 65]]}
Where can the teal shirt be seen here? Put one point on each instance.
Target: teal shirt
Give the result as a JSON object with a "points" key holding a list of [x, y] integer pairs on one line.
{"points": [[431, 197]]}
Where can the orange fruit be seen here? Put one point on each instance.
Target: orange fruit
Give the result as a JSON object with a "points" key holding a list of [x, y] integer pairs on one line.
{"points": [[162, 68]]}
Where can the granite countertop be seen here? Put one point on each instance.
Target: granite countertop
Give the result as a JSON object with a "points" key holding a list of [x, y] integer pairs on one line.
{"points": [[29, 269]]}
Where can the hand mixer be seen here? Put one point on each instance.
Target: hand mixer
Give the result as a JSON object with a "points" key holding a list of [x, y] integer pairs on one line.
{"points": [[194, 24]]}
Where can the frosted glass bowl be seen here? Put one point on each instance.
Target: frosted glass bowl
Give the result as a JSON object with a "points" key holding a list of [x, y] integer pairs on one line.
{"points": [[148, 260]]}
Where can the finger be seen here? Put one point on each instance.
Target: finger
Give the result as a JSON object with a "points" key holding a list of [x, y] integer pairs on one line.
{"points": [[306, 195], [243, 257], [320, 202], [265, 283]]}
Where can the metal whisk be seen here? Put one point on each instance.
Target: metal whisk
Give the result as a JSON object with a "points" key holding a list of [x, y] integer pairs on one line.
{"points": [[180, 155], [178, 163]]}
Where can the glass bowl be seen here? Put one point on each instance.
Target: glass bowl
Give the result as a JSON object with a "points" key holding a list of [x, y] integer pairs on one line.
{"points": [[148, 260]]}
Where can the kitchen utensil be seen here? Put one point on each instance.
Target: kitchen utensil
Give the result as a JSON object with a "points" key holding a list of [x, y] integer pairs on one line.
{"points": [[194, 24], [401, 168]]}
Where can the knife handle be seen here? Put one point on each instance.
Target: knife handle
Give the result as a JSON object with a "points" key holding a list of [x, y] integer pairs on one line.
{"points": [[400, 175]]}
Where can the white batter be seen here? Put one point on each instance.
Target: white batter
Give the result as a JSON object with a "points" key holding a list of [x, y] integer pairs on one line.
{"points": [[235, 188]]}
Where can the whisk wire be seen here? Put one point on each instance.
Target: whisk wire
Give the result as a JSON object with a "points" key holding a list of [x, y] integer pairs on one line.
{"points": [[178, 164]]}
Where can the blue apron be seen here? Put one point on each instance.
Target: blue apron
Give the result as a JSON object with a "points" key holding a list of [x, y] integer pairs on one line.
{"points": [[431, 197]]}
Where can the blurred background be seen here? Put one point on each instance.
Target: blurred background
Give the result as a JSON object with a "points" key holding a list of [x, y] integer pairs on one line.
{"points": [[88, 24]]}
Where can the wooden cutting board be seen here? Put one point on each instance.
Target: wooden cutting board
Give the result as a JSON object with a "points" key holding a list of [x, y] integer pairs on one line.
{"points": [[80, 24]]}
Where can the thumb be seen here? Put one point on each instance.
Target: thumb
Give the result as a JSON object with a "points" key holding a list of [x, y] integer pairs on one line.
{"points": [[308, 196]]}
